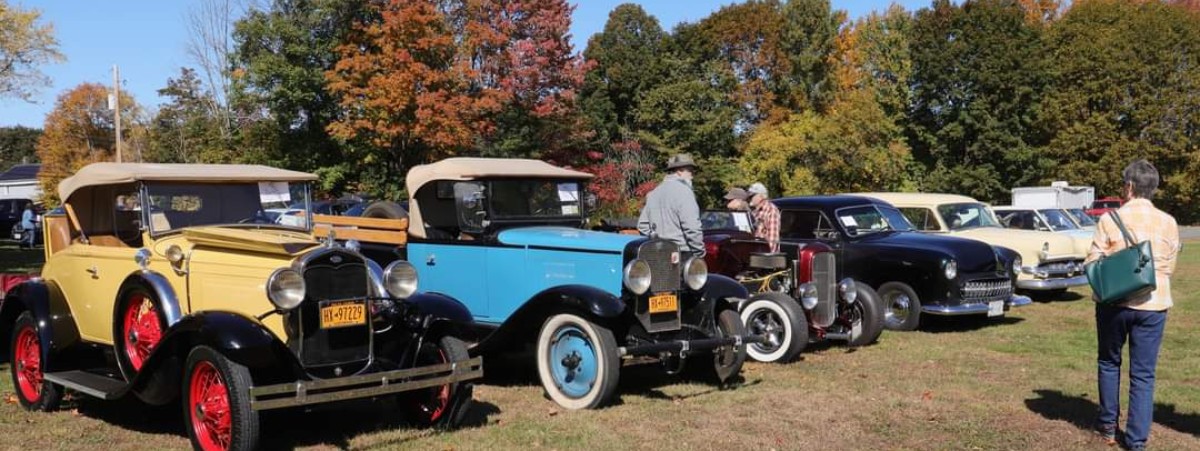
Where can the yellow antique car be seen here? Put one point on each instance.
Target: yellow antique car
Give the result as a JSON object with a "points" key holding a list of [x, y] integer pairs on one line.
{"points": [[170, 280], [1052, 262]]}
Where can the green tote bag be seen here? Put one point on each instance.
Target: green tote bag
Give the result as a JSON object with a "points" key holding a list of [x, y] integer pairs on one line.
{"points": [[1125, 274]]}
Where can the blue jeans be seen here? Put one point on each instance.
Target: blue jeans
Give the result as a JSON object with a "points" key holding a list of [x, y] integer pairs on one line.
{"points": [[27, 237], [1144, 331]]}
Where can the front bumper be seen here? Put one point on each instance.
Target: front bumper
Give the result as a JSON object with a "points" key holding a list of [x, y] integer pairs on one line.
{"points": [[683, 347], [302, 393], [973, 309], [1052, 284]]}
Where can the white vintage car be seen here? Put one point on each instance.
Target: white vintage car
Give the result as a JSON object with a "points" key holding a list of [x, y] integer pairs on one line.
{"points": [[1045, 220], [1052, 262]]}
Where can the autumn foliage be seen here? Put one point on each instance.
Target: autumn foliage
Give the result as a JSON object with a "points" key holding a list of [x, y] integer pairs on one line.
{"points": [[80, 131]]}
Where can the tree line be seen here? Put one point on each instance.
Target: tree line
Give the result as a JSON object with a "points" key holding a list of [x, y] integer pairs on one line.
{"points": [[972, 97]]}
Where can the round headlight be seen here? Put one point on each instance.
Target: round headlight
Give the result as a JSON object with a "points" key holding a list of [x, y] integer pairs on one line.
{"points": [[637, 276], [174, 254], [285, 289], [951, 269], [808, 295], [848, 289], [695, 273], [400, 279], [1016, 265]]}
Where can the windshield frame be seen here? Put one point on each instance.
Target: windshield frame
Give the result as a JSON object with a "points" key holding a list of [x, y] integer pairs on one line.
{"points": [[984, 207], [1080, 217], [731, 213], [837, 215], [1046, 219], [145, 193]]}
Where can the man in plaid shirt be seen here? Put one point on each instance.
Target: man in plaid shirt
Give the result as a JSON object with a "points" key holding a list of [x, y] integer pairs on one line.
{"points": [[766, 216], [1139, 320]]}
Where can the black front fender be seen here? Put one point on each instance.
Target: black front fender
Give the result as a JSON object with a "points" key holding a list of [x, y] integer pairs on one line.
{"points": [[446, 314], [523, 325], [241, 339], [724, 292]]}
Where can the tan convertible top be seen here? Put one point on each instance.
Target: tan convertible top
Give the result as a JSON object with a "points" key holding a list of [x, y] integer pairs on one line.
{"points": [[114, 173], [476, 168]]}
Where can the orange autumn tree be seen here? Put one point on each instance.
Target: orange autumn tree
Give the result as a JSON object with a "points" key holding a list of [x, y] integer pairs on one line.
{"points": [[420, 80], [80, 131]]}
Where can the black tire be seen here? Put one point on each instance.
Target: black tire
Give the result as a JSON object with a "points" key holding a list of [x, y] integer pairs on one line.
{"points": [[235, 383], [25, 336], [440, 407], [591, 353], [901, 306], [384, 210], [779, 317], [726, 361], [869, 315]]}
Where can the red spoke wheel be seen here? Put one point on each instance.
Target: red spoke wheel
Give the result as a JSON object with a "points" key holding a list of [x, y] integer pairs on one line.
{"points": [[436, 406], [216, 403], [140, 332], [28, 368]]}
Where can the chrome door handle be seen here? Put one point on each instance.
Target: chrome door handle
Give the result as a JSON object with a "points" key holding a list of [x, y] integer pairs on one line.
{"points": [[430, 260], [93, 271]]}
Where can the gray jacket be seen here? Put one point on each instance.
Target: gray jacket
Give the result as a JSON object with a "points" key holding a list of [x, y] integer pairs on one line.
{"points": [[672, 210]]}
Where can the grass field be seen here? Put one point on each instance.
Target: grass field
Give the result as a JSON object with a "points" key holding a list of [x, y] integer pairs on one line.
{"points": [[1024, 382]]}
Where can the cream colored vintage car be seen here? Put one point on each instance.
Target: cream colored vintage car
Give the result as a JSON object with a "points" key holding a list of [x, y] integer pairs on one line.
{"points": [[1051, 262], [164, 281]]}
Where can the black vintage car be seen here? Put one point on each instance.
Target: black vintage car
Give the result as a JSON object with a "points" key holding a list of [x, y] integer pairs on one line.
{"points": [[913, 273]]}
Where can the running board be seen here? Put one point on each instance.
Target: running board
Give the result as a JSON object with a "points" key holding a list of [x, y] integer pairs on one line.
{"points": [[91, 384]]}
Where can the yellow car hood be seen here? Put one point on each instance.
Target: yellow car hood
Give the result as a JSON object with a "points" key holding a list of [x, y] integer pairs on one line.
{"points": [[1028, 243], [253, 240]]}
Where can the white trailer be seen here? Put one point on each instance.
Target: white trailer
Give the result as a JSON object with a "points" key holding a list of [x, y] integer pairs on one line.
{"points": [[1057, 195]]}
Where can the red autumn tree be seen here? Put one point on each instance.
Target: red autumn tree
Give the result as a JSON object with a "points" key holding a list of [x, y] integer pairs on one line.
{"points": [[420, 80]]}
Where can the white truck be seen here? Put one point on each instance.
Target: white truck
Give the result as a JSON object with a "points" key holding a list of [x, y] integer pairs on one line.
{"points": [[1057, 195]]}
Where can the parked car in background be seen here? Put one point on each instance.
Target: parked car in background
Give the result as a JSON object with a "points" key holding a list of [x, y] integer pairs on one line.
{"points": [[1102, 206], [10, 215], [166, 281], [507, 237], [830, 307], [1051, 263], [1044, 220], [915, 274], [1082, 219]]}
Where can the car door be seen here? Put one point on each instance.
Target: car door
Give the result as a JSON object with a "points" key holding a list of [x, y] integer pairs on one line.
{"points": [[454, 268]]}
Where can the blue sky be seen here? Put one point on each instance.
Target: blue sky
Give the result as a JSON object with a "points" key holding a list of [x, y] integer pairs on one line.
{"points": [[147, 38]]}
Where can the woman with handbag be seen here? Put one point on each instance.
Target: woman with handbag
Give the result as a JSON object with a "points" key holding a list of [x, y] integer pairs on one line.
{"points": [[1132, 257]]}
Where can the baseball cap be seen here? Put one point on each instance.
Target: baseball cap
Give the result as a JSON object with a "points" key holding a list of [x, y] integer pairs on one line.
{"points": [[758, 188]]}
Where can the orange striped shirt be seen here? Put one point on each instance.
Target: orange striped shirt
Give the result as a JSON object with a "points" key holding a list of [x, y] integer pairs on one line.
{"points": [[1145, 223]]}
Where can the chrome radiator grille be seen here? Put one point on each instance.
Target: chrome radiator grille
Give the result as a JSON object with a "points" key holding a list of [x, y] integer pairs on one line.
{"points": [[1061, 268], [331, 276], [665, 270], [980, 291], [824, 274]]}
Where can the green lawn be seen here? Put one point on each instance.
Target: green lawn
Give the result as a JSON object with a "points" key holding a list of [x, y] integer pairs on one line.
{"points": [[1023, 382], [15, 259]]}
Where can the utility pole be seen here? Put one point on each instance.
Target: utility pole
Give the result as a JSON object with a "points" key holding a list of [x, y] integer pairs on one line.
{"points": [[117, 107]]}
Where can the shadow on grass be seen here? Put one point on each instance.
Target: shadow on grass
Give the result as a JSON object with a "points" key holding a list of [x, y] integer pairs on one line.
{"points": [[1047, 298], [1081, 411], [941, 325], [331, 424]]}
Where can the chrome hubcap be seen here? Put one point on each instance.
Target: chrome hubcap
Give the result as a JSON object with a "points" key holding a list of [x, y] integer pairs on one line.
{"points": [[766, 322], [898, 307]]}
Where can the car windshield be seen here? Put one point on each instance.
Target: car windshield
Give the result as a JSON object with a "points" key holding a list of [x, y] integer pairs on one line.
{"points": [[174, 206], [1057, 220], [866, 219], [896, 220], [543, 199], [967, 215], [1081, 217], [726, 220]]}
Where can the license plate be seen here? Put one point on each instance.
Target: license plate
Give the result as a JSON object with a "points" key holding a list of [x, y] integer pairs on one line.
{"points": [[343, 314], [661, 303], [996, 308]]}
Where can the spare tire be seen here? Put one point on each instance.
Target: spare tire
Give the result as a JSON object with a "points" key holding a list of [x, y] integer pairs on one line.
{"points": [[385, 210]]}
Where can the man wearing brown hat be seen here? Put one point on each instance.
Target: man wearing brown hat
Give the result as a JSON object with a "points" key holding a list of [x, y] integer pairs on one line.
{"points": [[671, 211]]}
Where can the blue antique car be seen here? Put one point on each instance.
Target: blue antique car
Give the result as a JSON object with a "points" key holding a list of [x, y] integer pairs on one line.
{"points": [[507, 237]]}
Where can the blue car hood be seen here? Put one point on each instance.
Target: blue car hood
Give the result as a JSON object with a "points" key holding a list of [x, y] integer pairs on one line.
{"points": [[567, 238]]}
